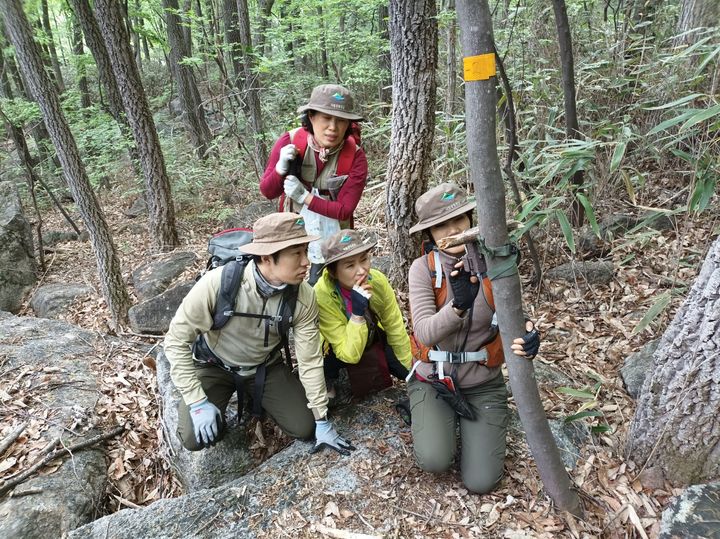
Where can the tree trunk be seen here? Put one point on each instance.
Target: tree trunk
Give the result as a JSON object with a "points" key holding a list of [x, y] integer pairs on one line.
{"points": [[480, 108], [5, 87], [136, 36], [81, 74], [232, 39], [568, 75], [413, 49], [451, 63], [194, 114], [111, 281], [695, 14], [160, 205], [51, 46], [385, 84], [264, 21], [323, 45], [676, 426], [251, 86]]}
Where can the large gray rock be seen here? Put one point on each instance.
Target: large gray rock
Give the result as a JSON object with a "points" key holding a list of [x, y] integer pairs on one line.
{"points": [[244, 507], [227, 460], [570, 438], [153, 316], [55, 356], [18, 272], [51, 300], [154, 277], [591, 272], [636, 367], [695, 513]]}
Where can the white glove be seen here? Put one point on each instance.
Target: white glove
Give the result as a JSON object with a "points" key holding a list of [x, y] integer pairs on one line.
{"points": [[327, 436], [206, 419], [287, 154], [295, 190]]}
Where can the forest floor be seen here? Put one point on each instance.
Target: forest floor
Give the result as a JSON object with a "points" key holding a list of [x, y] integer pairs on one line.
{"points": [[587, 332]]}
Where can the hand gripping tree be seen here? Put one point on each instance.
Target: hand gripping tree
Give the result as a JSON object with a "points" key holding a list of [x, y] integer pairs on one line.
{"points": [[480, 105]]}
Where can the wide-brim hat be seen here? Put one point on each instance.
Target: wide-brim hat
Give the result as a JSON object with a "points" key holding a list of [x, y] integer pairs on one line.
{"points": [[332, 99], [277, 231], [439, 204], [344, 244]]}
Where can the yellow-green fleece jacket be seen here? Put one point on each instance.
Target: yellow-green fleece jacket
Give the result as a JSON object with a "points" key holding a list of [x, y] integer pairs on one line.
{"points": [[348, 339], [240, 342]]}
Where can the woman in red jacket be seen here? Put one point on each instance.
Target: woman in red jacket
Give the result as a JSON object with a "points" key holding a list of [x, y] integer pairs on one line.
{"points": [[320, 166]]}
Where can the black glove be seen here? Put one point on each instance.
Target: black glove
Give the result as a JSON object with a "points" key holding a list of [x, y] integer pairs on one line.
{"points": [[531, 343], [464, 290], [448, 391], [358, 303]]}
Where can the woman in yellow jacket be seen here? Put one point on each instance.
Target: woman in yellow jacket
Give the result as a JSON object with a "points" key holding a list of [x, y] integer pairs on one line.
{"points": [[360, 319]]}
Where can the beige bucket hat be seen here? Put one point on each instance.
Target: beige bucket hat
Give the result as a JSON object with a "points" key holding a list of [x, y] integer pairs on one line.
{"points": [[344, 244], [439, 204], [332, 99], [275, 232]]}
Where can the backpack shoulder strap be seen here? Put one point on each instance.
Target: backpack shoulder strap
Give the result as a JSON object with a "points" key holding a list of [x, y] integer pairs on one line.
{"points": [[439, 284], [290, 296], [230, 280], [346, 157], [298, 137]]}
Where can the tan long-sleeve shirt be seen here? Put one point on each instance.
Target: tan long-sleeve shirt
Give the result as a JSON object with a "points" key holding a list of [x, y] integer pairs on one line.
{"points": [[241, 341]]}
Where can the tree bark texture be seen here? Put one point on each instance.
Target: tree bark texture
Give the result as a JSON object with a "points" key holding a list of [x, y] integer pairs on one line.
{"points": [[190, 101], [696, 14], [94, 41], [413, 50], [80, 67], [232, 39], [451, 63], [251, 86], [51, 46], [676, 424], [568, 76], [158, 192], [480, 109], [111, 281]]}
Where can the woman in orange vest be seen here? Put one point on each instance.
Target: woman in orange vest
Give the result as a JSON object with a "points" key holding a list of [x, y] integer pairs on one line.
{"points": [[320, 166], [456, 373]]}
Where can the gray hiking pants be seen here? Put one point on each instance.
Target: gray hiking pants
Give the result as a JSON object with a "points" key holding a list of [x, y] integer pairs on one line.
{"points": [[283, 399], [482, 441]]}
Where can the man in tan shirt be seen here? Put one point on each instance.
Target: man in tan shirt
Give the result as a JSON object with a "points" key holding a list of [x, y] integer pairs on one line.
{"points": [[208, 365]]}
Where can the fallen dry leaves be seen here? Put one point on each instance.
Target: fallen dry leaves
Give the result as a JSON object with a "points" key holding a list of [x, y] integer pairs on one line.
{"points": [[587, 332]]}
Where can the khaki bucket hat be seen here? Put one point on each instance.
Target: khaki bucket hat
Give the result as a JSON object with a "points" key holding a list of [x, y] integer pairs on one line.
{"points": [[275, 232], [332, 99], [439, 204], [344, 244]]}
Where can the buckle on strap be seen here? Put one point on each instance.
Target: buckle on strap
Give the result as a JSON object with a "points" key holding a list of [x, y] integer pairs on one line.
{"points": [[440, 356]]}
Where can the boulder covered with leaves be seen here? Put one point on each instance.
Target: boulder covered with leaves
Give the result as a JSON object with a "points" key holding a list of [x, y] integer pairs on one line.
{"points": [[17, 262], [48, 397]]}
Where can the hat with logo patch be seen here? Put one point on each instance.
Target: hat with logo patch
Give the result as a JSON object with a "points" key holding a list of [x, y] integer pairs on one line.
{"points": [[334, 100], [344, 244], [275, 232], [440, 204]]}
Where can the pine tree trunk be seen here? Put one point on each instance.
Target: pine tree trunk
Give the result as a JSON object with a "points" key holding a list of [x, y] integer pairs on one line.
{"points": [[51, 47], [251, 86], [480, 109], [232, 39], [568, 76], [676, 426], [413, 49], [81, 74], [20, 33], [159, 199], [193, 112]]}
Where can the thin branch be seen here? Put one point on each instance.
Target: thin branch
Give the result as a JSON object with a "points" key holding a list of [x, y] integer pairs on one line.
{"points": [[10, 438], [9, 485]]}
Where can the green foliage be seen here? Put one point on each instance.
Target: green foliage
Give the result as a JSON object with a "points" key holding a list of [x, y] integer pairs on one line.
{"points": [[589, 399]]}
